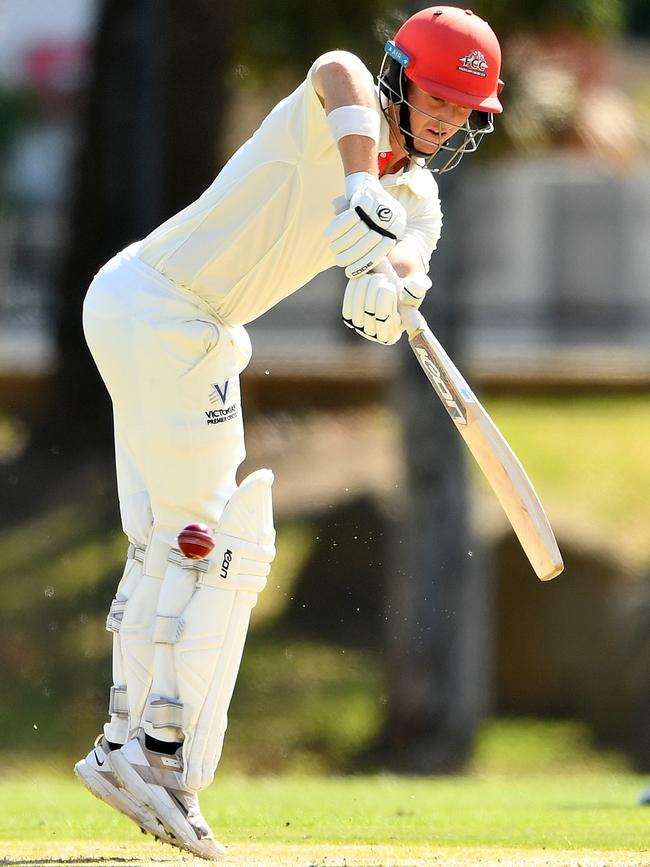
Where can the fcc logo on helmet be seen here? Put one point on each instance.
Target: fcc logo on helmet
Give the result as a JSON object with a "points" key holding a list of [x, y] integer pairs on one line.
{"points": [[474, 62]]}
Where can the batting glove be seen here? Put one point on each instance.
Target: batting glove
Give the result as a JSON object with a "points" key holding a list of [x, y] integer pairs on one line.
{"points": [[371, 304], [414, 288], [370, 226], [370, 307]]}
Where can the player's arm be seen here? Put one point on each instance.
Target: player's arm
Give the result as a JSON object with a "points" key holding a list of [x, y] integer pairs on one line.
{"points": [[340, 79], [405, 258], [371, 221]]}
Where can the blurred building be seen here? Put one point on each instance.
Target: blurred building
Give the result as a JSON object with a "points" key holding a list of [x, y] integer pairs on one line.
{"points": [[551, 279], [44, 61], [551, 256]]}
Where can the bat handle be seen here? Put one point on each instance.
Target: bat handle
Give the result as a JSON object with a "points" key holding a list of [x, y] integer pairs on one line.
{"points": [[411, 318]]}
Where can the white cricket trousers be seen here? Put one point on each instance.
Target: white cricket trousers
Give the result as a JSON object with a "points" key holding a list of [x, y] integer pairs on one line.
{"points": [[172, 372]]}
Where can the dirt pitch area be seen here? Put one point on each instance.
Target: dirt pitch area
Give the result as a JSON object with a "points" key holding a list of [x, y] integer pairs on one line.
{"points": [[85, 854]]}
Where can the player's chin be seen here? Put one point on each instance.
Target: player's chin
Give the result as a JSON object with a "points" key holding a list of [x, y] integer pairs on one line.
{"points": [[429, 147]]}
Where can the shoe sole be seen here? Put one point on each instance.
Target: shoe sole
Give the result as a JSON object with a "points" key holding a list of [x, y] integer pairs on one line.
{"points": [[120, 801], [133, 783]]}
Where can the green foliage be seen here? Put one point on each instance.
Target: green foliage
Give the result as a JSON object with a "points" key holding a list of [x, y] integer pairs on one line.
{"points": [[637, 17], [587, 458], [17, 108], [321, 706], [518, 746], [290, 34], [600, 17]]}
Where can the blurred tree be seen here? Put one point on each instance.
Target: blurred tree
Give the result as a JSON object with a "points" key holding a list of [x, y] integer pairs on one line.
{"points": [[637, 17], [598, 17], [292, 34], [438, 612], [440, 600], [153, 113], [16, 110]]}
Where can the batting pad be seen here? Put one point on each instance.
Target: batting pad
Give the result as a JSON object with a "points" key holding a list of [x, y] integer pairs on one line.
{"points": [[131, 619], [201, 625]]}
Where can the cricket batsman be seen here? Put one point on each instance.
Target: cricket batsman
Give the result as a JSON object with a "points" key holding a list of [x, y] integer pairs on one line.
{"points": [[165, 321]]}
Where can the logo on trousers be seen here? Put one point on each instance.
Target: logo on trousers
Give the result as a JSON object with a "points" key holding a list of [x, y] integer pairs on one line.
{"points": [[218, 393]]}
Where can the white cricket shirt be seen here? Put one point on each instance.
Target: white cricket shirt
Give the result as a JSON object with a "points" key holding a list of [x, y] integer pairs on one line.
{"points": [[256, 234]]}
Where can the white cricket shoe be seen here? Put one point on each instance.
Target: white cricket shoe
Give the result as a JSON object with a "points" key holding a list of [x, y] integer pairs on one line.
{"points": [[96, 773], [155, 780]]}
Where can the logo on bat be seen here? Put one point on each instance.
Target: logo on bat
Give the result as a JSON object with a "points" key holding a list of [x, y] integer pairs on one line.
{"points": [[444, 389]]}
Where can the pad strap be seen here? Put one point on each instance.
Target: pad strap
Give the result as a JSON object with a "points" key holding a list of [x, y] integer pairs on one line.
{"points": [[167, 630], [115, 615], [164, 713], [118, 702], [136, 552], [116, 611], [177, 557], [236, 564]]}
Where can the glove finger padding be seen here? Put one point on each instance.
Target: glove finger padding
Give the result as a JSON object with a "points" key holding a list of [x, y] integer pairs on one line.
{"points": [[389, 323], [370, 303], [358, 289], [348, 304], [370, 307]]}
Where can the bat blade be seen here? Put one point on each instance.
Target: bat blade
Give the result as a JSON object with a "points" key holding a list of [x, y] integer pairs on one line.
{"points": [[498, 462]]}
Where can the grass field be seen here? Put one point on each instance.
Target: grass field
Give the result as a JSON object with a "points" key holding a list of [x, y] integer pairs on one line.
{"points": [[581, 819], [537, 793], [588, 457]]}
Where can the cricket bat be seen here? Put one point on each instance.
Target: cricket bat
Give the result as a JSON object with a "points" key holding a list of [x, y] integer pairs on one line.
{"points": [[499, 464]]}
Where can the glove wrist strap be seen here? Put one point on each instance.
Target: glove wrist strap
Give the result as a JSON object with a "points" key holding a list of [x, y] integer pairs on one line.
{"points": [[357, 181]]}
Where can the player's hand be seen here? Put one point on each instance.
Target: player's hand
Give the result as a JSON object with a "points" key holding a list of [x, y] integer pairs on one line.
{"points": [[362, 234], [371, 303], [370, 307]]}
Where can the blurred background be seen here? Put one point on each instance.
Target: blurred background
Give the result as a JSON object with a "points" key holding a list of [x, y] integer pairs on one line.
{"points": [[402, 627]]}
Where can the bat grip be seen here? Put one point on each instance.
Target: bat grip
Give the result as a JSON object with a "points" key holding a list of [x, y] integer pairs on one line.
{"points": [[411, 318]]}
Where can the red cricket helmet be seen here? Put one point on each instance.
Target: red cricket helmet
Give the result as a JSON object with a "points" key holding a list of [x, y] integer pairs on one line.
{"points": [[453, 54]]}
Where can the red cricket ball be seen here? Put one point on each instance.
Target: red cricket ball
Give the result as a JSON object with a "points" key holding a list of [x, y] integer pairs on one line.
{"points": [[196, 541]]}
